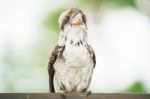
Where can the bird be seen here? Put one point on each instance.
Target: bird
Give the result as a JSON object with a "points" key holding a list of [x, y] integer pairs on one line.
{"points": [[72, 60]]}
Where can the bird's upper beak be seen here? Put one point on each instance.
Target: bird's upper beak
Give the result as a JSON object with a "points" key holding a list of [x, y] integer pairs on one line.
{"points": [[77, 19]]}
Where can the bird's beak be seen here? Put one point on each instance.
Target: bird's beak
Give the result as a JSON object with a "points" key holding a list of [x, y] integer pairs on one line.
{"points": [[76, 20]]}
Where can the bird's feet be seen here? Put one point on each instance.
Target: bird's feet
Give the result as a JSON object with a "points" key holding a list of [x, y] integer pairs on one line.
{"points": [[62, 94], [88, 93]]}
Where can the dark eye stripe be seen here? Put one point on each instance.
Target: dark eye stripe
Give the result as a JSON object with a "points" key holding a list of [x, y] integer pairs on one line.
{"points": [[65, 21], [67, 18]]}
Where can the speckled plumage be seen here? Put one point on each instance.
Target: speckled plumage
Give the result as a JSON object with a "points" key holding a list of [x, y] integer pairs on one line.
{"points": [[72, 61]]}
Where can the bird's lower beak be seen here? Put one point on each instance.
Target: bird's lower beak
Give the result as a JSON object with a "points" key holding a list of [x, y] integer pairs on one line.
{"points": [[77, 20]]}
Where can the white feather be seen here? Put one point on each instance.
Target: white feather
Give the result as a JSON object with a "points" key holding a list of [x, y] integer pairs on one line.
{"points": [[76, 69]]}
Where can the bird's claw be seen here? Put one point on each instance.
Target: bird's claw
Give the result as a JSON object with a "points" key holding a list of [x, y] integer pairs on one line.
{"points": [[62, 94], [89, 93]]}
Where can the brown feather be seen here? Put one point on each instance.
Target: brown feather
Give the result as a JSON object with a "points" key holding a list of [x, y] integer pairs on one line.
{"points": [[57, 51], [92, 54]]}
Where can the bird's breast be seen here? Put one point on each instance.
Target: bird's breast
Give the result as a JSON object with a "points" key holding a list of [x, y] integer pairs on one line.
{"points": [[76, 54]]}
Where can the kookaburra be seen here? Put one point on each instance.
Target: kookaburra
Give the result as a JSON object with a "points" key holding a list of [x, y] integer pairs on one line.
{"points": [[72, 61]]}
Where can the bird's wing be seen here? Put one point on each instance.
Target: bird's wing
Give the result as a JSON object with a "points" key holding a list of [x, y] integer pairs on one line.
{"points": [[92, 54], [57, 51]]}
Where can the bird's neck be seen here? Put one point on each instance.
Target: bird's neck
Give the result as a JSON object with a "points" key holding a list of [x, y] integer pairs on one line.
{"points": [[74, 35]]}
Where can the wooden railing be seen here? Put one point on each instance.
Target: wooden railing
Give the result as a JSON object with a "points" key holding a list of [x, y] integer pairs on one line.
{"points": [[74, 96]]}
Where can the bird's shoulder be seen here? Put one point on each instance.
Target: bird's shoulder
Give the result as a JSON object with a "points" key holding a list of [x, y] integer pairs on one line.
{"points": [[56, 52]]}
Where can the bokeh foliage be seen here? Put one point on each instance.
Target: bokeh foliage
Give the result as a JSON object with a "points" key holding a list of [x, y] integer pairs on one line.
{"points": [[119, 3], [51, 21], [137, 86]]}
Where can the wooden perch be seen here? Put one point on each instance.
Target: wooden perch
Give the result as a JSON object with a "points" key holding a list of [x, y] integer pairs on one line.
{"points": [[74, 96]]}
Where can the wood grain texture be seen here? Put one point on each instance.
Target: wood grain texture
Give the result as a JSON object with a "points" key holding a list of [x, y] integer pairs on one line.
{"points": [[74, 96]]}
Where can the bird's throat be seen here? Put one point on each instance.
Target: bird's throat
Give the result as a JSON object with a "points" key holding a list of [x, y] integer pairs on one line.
{"points": [[74, 35]]}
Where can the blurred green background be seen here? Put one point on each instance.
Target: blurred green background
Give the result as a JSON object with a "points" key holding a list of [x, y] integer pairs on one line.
{"points": [[118, 30]]}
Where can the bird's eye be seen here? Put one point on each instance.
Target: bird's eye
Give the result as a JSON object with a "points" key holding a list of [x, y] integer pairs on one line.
{"points": [[67, 18]]}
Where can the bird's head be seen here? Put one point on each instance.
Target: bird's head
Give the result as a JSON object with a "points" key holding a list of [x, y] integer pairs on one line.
{"points": [[72, 17]]}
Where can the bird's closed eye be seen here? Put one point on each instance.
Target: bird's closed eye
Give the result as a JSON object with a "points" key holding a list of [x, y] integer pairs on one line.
{"points": [[64, 22], [67, 18]]}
